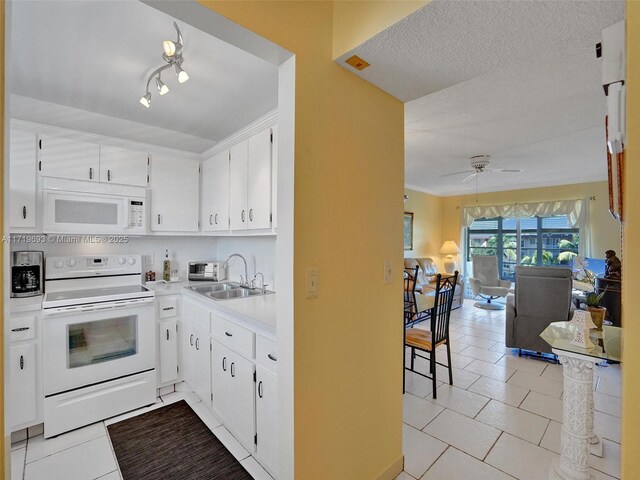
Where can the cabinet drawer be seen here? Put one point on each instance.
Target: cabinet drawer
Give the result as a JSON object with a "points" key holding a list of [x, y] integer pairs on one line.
{"points": [[23, 327], [266, 353], [234, 336], [168, 307]]}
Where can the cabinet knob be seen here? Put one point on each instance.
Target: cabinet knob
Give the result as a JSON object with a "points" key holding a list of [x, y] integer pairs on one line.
{"points": [[198, 343], [158, 219], [233, 370], [90, 173], [191, 340], [251, 215], [108, 175], [260, 389], [21, 362], [242, 215], [167, 334], [215, 218], [210, 219], [224, 364], [271, 357], [24, 211], [228, 334]]}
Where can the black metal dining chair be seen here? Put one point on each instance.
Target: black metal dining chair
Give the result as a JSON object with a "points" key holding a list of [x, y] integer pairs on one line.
{"points": [[428, 341]]}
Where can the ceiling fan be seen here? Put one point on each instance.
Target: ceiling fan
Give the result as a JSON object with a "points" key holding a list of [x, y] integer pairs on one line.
{"points": [[480, 164]]}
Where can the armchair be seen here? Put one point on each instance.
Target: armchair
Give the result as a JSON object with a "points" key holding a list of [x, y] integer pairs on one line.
{"points": [[427, 279], [542, 296], [486, 282]]}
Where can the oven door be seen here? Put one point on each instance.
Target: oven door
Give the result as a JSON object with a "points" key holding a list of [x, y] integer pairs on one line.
{"points": [[89, 344]]}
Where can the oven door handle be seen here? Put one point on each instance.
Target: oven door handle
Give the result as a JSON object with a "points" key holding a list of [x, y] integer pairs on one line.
{"points": [[95, 308]]}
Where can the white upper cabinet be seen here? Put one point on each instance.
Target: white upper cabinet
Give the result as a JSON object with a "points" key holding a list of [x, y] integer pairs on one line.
{"points": [[22, 179], [238, 186], [215, 193], [259, 180], [123, 166], [250, 183], [174, 194], [66, 158]]}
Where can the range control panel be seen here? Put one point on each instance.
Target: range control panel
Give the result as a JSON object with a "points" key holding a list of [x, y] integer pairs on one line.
{"points": [[79, 266]]}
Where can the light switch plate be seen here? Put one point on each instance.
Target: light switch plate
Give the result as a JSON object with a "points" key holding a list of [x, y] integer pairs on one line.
{"points": [[388, 271], [312, 283]]}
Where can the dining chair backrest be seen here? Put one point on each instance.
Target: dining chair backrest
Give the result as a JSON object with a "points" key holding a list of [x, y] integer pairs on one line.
{"points": [[441, 312], [410, 276]]}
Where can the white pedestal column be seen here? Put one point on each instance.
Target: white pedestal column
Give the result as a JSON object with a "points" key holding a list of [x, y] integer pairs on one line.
{"points": [[577, 428]]}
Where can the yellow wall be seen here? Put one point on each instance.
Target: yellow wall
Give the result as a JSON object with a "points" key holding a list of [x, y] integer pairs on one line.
{"points": [[5, 442], [605, 230], [631, 287], [356, 21], [348, 370], [427, 225]]}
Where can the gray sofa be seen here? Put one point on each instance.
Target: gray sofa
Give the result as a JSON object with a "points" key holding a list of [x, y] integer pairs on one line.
{"points": [[542, 296]]}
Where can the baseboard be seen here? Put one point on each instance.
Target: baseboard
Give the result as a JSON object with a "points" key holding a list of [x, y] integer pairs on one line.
{"points": [[394, 470]]}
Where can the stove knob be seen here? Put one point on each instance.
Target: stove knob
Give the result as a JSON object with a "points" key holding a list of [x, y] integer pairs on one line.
{"points": [[122, 260], [71, 262], [59, 264], [132, 260]]}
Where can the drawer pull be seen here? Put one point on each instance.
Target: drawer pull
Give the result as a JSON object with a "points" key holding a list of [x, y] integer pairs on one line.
{"points": [[167, 334], [24, 211], [21, 362], [20, 329], [167, 308], [228, 334], [191, 340], [198, 343], [211, 219], [224, 364], [271, 357], [233, 370], [260, 389]]}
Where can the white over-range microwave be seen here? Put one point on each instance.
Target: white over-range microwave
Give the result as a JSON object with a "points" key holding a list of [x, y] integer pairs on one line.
{"points": [[78, 207]]}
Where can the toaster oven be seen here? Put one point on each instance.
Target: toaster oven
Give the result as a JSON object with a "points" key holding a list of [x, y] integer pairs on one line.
{"points": [[211, 271]]}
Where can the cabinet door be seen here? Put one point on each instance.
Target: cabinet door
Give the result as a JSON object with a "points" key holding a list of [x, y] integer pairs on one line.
{"points": [[267, 419], [123, 166], [22, 179], [215, 193], [188, 355], [221, 380], [274, 177], [168, 351], [203, 366], [238, 186], [242, 418], [174, 194], [65, 158], [259, 180], [22, 384]]}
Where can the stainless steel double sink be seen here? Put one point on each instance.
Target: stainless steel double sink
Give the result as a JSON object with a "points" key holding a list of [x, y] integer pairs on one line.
{"points": [[226, 291]]}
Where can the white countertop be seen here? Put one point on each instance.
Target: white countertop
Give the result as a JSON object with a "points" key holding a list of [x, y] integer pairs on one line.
{"points": [[171, 288], [25, 304]]}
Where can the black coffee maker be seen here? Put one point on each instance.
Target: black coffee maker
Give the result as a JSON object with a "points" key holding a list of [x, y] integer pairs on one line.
{"points": [[27, 273]]}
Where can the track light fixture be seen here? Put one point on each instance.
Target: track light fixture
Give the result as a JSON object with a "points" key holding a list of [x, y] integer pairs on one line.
{"points": [[172, 55]]}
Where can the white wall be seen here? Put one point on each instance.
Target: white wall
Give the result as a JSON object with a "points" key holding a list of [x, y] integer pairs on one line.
{"points": [[260, 253]]}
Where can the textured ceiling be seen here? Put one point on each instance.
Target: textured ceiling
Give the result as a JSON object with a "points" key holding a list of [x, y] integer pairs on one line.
{"points": [[96, 55], [517, 80]]}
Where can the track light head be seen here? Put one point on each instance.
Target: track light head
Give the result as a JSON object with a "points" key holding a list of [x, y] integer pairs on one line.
{"points": [[182, 75], [162, 87], [145, 100], [171, 48]]}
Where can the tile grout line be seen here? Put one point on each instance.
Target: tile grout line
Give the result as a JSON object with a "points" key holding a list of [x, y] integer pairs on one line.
{"points": [[64, 449]]}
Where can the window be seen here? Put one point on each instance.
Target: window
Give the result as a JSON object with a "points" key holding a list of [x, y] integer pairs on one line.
{"points": [[526, 241]]}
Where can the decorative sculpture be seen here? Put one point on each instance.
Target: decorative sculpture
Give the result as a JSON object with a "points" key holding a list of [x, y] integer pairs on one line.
{"points": [[582, 321], [613, 265]]}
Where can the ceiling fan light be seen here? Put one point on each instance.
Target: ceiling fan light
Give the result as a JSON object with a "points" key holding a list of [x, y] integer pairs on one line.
{"points": [[171, 48], [182, 75], [145, 100], [162, 87]]}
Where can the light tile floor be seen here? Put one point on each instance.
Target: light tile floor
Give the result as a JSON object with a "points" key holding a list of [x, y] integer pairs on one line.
{"points": [[87, 454], [502, 418]]}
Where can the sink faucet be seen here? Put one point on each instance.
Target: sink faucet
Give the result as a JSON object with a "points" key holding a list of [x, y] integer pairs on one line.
{"points": [[244, 281], [263, 286]]}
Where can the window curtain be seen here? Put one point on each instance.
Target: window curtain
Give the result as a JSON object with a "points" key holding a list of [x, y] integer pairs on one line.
{"points": [[577, 212]]}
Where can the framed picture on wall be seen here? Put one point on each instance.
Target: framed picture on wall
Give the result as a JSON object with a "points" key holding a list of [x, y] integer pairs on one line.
{"points": [[408, 230]]}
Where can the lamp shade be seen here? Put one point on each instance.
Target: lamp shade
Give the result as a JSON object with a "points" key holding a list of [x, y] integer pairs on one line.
{"points": [[449, 247]]}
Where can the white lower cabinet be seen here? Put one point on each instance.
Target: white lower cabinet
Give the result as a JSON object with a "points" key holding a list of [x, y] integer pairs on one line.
{"points": [[168, 351], [233, 393], [202, 357], [267, 419], [22, 384]]}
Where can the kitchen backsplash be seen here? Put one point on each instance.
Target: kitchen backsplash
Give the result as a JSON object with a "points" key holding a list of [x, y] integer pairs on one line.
{"points": [[259, 251]]}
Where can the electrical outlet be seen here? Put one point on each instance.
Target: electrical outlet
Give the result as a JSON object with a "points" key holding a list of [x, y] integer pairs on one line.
{"points": [[312, 283], [387, 271], [148, 260]]}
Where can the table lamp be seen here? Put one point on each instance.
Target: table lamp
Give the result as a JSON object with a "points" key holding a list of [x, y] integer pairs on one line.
{"points": [[449, 248]]}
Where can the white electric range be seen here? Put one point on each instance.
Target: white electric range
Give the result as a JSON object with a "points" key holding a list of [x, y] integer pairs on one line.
{"points": [[99, 340]]}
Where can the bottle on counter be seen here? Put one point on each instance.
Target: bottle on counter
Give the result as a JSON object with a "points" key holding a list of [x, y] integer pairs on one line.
{"points": [[166, 267]]}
